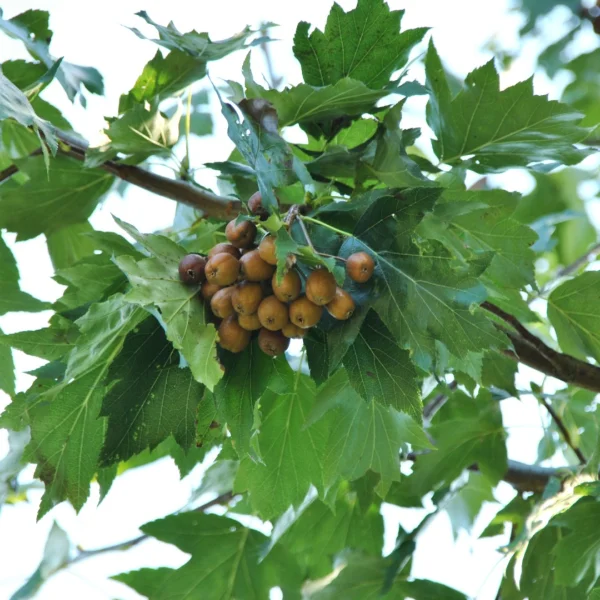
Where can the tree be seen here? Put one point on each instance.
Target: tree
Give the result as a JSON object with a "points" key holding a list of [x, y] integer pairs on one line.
{"points": [[411, 363]]}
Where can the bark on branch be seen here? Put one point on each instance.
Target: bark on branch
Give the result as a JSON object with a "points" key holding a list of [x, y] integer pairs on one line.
{"points": [[533, 352]]}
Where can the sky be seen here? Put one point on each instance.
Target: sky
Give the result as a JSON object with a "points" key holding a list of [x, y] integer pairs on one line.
{"points": [[95, 33]]}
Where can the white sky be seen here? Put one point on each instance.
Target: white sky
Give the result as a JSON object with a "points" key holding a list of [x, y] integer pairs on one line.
{"points": [[92, 33]]}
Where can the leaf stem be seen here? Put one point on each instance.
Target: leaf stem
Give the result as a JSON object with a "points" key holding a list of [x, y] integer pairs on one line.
{"points": [[326, 225]]}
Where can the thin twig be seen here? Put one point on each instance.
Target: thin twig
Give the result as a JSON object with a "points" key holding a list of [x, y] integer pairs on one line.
{"points": [[582, 260], [306, 236], [85, 554], [432, 407], [564, 431], [275, 81]]}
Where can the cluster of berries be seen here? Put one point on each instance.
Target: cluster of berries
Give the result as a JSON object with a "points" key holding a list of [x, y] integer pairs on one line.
{"points": [[239, 280]]}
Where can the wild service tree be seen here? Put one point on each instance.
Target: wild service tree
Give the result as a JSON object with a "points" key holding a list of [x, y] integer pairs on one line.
{"points": [[412, 289]]}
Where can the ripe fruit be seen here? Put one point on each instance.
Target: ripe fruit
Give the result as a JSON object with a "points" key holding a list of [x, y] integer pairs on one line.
{"points": [[289, 288], [272, 313], [254, 268], [209, 290], [255, 206], [232, 337], [191, 269], [220, 303], [241, 235], [293, 331], [304, 313], [246, 297], [223, 247], [342, 306], [320, 287], [266, 249], [272, 343], [249, 322], [222, 269], [359, 267]]}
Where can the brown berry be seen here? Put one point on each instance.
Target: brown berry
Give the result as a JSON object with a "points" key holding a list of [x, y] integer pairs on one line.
{"points": [[246, 250], [255, 205], [241, 235], [272, 343], [220, 303], [232, 337], [222, 269], [272, 313], [249, 322], [304, 313], [223, 247], [246, 297], [320, 287], [360, 266], [342, 306], [293, 331], [289, 288], [266, 249], [254, 268], [191, 269], [209, 290]]}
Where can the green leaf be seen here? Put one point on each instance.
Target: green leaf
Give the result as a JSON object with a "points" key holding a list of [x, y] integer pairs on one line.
{"points": [[291, 455], [68, 245], [462, 441], [391, 164], [571, 310], [92, 279], [66, 433], [56, 556], [12, 298], [466, 503], [363, 435], [364, 44], [103, 328], [498, 371], [45, 203], [7, 368], [229, 570], [539, 576], [151, 399], [12, 464], [499, 129], [31, 28], [164, 76], [268, 154], [482, 222], [198, 45], [577, 553], [156, 282], [50, 343], [424, 299], [143, 131], [320, 533], [66, 438], [246, 378], [380, 371], [15, 105], [362, 578], [307, 104]]}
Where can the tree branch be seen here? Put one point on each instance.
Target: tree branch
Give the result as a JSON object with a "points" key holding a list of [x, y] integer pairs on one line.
{"points": [[533, 352], [432, 407], [219, 207], [85, 554], [563, 429]]}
